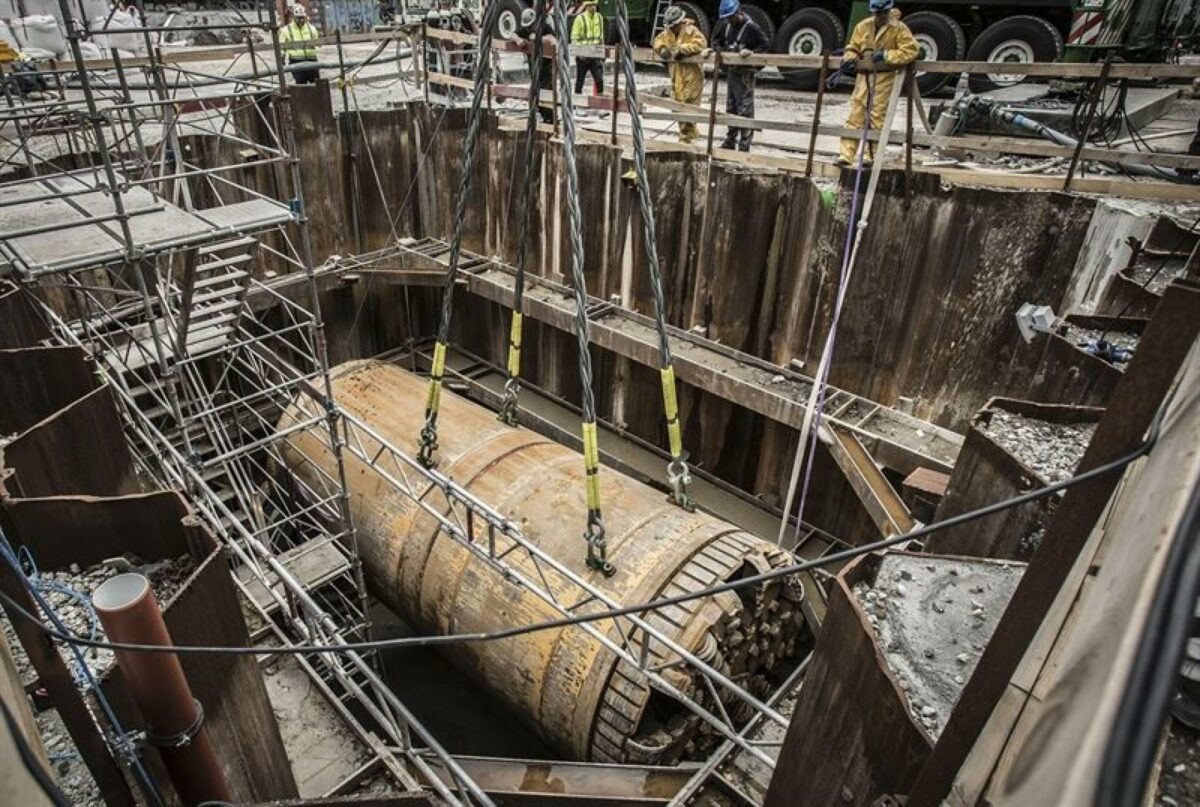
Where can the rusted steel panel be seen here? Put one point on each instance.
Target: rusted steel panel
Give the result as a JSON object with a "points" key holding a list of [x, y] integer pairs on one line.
{"points": [[986, 473], [80, 449], [19, 325], [851, 738], [84, 530], [39, 381], [563, 682]]}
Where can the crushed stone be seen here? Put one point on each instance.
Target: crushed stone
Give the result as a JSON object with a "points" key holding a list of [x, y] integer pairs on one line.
{"points": [[1050, 450], [70, 773], [166, 578], [933, 617]]}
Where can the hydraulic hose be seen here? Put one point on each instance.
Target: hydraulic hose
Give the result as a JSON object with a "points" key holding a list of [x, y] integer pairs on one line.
{"points": [[1042, 130]]}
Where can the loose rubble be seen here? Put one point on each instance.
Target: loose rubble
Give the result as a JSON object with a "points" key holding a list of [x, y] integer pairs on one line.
{"points": [[933, 617], [166, 578], [71, 774], [1050, 450]]}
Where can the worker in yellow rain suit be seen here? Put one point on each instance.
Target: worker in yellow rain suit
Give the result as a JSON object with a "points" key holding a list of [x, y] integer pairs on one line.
{"points": [[880, 45], [679, 39]]}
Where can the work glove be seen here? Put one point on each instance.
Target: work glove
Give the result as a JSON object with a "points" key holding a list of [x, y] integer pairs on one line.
{"points": [[880, 56], [744, 52], [849, 64], [664, 54]]}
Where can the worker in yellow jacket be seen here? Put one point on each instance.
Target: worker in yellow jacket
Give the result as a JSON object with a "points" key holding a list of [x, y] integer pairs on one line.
{"points": [[298, 42], [880, 45], [680, 38]]}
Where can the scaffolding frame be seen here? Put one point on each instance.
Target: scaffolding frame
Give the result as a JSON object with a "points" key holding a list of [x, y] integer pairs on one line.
{"points": [[200, 378]]}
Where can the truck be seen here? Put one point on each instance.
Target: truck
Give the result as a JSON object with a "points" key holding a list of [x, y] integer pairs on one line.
{"points": [[982, 31]]}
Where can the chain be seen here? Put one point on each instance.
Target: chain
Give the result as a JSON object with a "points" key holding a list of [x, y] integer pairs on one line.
{"points": [[597, 546], [429, 435], [508, 408], [677, 470]]}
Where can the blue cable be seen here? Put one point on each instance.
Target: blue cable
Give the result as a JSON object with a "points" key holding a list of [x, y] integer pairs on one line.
{"points": [[119, 735]]}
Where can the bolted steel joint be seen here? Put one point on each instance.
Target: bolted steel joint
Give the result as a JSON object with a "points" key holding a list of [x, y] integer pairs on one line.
{"points": [[508, 407]]}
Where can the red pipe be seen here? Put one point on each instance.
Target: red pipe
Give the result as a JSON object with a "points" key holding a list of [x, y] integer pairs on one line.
{"points": [[174, 719]]}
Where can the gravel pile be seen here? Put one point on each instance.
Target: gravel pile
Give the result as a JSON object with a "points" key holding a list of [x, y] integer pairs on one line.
{"points": [[166, 578], [72, 776], [1078, 335], [933, 617], [1050, 450]]}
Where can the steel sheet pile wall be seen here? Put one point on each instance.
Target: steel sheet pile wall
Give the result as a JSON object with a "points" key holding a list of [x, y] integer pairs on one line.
{"points": [[570, 689]]}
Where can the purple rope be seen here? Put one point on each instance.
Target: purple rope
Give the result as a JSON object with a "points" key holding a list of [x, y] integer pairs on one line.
{"points": [[843, 282]]}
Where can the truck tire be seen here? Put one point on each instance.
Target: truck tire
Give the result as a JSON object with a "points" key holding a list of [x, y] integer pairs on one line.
{"points": [[697, 16], [808, 32], [761, 18], [941, 39], [1022, 38], [508, 19]]}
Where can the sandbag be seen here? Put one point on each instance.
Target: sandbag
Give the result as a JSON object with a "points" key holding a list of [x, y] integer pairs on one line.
{"points": [[40, 32], [106, 32], [90, 50]]}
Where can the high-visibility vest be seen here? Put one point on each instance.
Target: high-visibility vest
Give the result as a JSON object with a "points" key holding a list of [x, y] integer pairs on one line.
{"points": [[297, 36], [588, 29]]}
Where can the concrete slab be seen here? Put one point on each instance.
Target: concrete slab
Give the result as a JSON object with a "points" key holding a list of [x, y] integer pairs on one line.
{"points": [[321, 749], [933, 616]]}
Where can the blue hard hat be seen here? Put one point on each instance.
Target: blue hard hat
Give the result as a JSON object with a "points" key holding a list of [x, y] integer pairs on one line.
{"points": [[877, 6], [728, 8]]}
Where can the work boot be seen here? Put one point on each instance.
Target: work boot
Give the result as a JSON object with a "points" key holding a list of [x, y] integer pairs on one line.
{"points": [[728, 144], [743, 146]]}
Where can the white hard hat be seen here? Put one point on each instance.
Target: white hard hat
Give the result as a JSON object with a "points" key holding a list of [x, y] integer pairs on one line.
{"points": [[299, 11]]}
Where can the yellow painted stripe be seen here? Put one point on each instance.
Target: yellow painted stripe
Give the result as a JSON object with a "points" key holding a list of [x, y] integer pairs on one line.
{"points": [[439, 360]]}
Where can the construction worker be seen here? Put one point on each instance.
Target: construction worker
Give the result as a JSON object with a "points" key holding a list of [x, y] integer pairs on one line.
{"points": [[681, 38], [588, 29], [737, 33], [298, 40], [879, 46], [523, 39]]}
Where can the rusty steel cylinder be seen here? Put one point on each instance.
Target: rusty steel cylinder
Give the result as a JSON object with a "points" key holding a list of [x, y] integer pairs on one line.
{"points": [[573, 691], [174, 719]]}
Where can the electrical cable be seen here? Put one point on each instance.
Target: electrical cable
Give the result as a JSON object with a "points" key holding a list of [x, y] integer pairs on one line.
{"points": [[565, 622]]}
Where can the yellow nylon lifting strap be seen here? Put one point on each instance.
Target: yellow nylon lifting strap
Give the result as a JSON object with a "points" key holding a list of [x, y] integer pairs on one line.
{"points": [[672, 409], [591, 465], [435, 378], [514, 346]]}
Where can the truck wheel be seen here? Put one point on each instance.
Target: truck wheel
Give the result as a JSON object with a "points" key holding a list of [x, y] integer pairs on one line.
{"points": [[1023, 39], [508, 19], [761, 18], [808, 32], [941, 39], [697, 16]]}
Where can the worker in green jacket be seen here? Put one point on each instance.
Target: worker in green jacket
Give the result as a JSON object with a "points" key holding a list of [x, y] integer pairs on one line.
{"points": [[588, 29], [298, 40]]}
